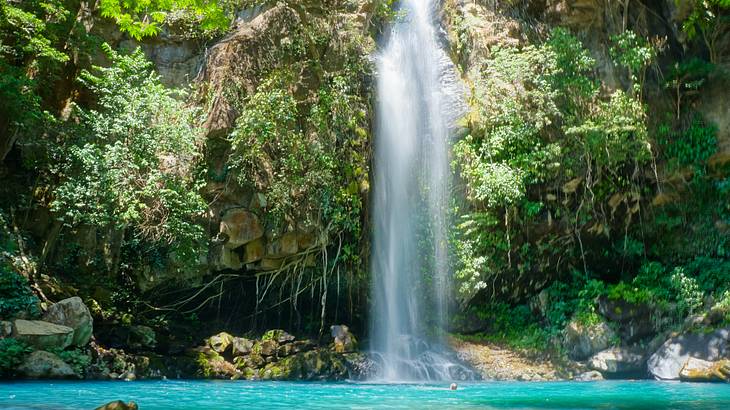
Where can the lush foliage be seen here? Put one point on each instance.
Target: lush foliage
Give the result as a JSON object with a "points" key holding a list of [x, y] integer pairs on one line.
{"points": [[132, 166], [143, 18], [15, 294], [12, 352], [540, 119]]}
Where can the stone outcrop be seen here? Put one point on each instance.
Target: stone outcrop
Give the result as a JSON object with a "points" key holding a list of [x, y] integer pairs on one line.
{"points": [[43, 335], [240, 227], [220, 342], [582, 341], [633, 319], [344, 341], [44, 365], [619, 361], [698, 370], [279, 356], [667, 362], [73, 313]]}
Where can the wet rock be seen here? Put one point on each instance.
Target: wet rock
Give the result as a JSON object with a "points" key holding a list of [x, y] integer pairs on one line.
{"points": [[73, 313], [344, 341], [119, 405], [43, 335], [241, 346], [618, 361], [589, 376], [698, 370], [582, 341], [41, 364], [220, 342], [667, 362]]}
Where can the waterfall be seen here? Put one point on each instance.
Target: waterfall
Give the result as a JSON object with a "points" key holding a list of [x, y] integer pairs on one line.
{"points": [[418, 99]]}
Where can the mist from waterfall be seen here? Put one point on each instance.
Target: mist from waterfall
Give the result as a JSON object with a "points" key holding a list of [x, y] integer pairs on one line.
{"points": [[418, 98]]}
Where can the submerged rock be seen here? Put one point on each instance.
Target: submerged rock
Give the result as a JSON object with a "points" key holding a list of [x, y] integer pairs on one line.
{"points": [[73, 313], [43, 335], [118, 405], [667, 362], [41, 364], [698, 370], [582, 341]]}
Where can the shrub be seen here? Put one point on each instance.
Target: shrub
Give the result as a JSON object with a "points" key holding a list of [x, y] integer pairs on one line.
{"points": [[12, 353]]}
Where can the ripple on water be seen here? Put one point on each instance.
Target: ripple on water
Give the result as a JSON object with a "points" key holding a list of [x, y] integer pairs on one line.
{"points": [[151, 395]]}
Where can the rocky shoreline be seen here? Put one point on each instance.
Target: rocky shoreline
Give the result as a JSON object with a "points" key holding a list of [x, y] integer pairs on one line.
{"points": [[62, 346]]}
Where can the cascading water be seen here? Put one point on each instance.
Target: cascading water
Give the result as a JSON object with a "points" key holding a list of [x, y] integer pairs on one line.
{"points": [[419, 97]]}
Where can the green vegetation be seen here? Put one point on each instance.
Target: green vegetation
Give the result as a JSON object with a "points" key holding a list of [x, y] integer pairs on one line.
{"points": [[12, 352], [132, 166]]}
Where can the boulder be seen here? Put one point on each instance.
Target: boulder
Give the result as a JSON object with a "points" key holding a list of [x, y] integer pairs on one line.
{"points": [[72, 312], [698, 370], [582, 341], [240, 227], [667, 362], [344, 341], [286, 350], [220, 342], [268, 347], [254, 251], [118, 405], [590, 376], [41, 364], [633, 319], [618, 361], [43, 335], [241, 346]]}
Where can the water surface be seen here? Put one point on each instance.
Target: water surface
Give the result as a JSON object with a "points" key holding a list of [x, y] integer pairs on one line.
{"points": [[152, 395]]}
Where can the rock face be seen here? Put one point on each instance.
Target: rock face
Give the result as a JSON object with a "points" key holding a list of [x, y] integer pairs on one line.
{"points": [[668, 361], [241, 227], [42, 364], [43, 335], [344, 340], [618, 361], [633, 319], [582, 341], [698, 370], [73, 313]]}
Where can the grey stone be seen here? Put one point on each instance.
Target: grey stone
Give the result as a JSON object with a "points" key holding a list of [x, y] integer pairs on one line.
{"points": [[41, 364], [667, 362], [43, 335], [72, 312]]}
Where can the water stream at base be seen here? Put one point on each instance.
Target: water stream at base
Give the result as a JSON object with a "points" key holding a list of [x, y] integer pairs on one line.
{"points": [[419, 97]]}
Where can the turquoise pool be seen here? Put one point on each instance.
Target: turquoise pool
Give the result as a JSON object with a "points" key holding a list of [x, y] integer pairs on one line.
{"points": [[285, 395]]}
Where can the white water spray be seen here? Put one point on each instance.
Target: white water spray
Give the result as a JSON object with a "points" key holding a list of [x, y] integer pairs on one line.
{"points": [[419, 97]]}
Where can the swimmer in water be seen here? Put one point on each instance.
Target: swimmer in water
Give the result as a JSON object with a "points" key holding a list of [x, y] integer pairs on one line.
{"points": [[453, 386]]}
